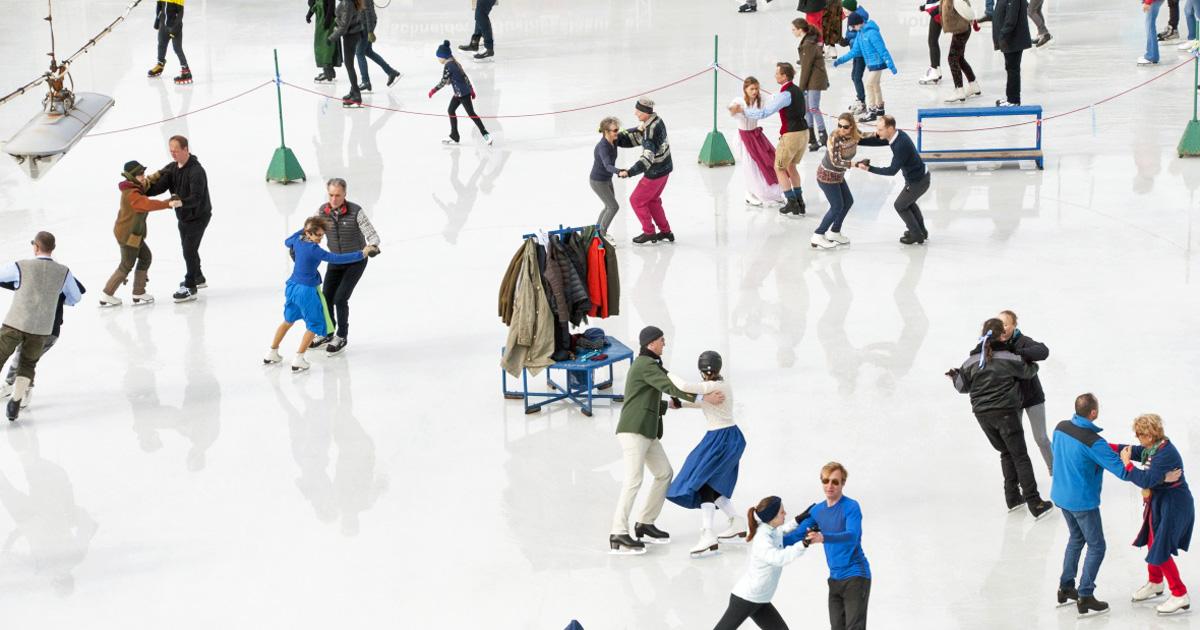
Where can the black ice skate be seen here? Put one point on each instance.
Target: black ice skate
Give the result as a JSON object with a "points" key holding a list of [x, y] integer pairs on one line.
{"points": [[352, 101], [746, 8], [184, 294], [473, 46], [1089, 606], [1039, 508], [156, 71], [488, 52], [392, 78], [623, 545], [665, 236], [1067, 596], [365, 87], [324, 77], [916, 239], [13, 409], [336, 345], [652, 533], [184, 78], [641, 239], [791, 207], [317, 342]]}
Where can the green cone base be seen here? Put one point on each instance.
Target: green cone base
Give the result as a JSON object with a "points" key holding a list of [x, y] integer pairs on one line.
{"points": [[285, 168], [1189, 144], [715, 151]]}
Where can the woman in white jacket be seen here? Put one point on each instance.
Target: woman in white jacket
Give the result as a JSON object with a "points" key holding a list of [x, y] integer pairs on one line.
{"points": [[751, 597]]}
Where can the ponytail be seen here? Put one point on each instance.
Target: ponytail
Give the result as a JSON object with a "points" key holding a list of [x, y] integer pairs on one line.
{"points": [[989, 338], [751, 524]]}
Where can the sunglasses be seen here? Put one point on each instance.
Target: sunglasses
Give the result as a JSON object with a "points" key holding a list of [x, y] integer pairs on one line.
{"points": [[834, 481], [843, 126]]}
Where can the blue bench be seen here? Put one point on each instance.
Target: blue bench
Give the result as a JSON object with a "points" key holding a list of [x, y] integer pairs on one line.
{"points": [[981, 154], [581, 390]]}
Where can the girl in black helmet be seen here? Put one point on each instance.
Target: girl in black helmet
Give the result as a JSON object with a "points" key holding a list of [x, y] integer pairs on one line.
{"points": [[711, 470]]}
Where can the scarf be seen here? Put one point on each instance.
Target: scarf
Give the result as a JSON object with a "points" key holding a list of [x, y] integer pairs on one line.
{"points": [[1148, 453]]}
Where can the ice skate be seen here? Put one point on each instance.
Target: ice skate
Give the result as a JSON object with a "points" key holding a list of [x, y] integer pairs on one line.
{"points": [[156, 71], [450, 141], [653, 534], [392, 78], [706, 544], [12, 410], [272, 357], [472, 47], [184, 294], [973, 90], [1188, 44], [1067, 597], [487, 53], [299, 364], [751, 200], [665, 236], [1149, 590], [352, 101], [487, 139], [142, 299], [1043, 39], [184, 78], [857, 107], [641, 239], [336, 345], [317, 342], [813, 144], [959, 95], [324, 77], [1169, 34], [734, 532], [1041, 509], [871, 115], [933, 76], [818, 241], [365, 87], [1005, 103], [1142, 61], [915, 239], [823, 139], [837, 237], [1089, 606], [623, 545], [108, 301], [20, 390], [1174, 605], [747, 8]]}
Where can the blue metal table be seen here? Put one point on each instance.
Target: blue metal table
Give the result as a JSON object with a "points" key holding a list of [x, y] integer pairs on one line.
{"points": [[581, 393], [981, 154]]}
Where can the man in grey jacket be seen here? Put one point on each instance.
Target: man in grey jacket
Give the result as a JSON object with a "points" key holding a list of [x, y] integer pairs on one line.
{"points": [[350, 230], [39, 282]]}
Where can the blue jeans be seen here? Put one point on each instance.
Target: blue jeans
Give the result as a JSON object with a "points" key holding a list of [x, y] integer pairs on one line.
{"points": [[365, 50], [840, 201], [989, 7], [856, 76], [812, 100], [1084, 527], [1152, 32], [1191, 11]]}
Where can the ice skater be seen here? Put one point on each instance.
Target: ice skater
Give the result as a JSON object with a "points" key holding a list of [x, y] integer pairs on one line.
{"points": [[604, 166], [302, 300], [39, 282], [483, 30], [836, 523], [328, 54], [14, 363], [187, 180], [366, 50], [749, 6], [793, 134], [655, 167], [349, 23], [1033, 398], [959, 28], [454, 75], [130, 230], [916, 177], [933, 75], [168, 21], [751, 596], [859, 67], [710, 472], [349, 231], [813, 80], [639, 432], [831, 179], [869, 44], [758, 154], [990, 376]]}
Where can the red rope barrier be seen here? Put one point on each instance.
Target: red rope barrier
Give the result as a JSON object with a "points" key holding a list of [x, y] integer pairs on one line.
{"points": [[189, 113]]}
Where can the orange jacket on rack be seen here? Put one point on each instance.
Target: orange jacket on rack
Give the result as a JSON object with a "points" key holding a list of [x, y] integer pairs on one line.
{"points": [[597, 279]]}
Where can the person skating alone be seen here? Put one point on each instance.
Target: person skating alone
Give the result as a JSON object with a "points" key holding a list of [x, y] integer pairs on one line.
{"points": [[366, 50], [349, 231], [328, 54], [959, 28], [654, 165], [639, 432], [39, 282], [859, 67], [168, 21], [483, 30], [302, 300], [1010, 36], [869, 44], [130, 230], [831, 179], [836, 523], [349, 24], [604, 166], [710, 472], [464, 93], [758, 154], [1033, 399], [793, 134], [186, 179], [14, 364], [906, 160], [751, 596], [813, 81], [933, 75]]}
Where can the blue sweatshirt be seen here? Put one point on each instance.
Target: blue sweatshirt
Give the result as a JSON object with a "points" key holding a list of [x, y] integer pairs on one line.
{"points": [[604, 161], [309, 256], [841, 525], [1080, 458]]}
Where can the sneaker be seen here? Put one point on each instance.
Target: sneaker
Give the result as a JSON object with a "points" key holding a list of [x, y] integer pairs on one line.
{"points": [[392, 78], [299, 364], [107, 301], [643, 238], [1067, 596], [184, 294], [837, 237], [623, 545], [1142, 61], [317, 342], [707, 543], [665, 236], [142, 299], [272, 357], [1039, 509], [336, 345], [1089, 606], [1149, 590], [656, 535], [487, 139], [1043, 39], [1168, 35], [1171, 606], [819, 241], [488, 52], [747, 8]]}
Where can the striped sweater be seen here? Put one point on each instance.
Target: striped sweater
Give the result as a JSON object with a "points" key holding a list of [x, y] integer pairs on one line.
{"points": [[655, 160]]}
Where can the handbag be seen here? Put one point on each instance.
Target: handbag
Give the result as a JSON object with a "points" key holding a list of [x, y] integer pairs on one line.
{"points": [[965, 9]]}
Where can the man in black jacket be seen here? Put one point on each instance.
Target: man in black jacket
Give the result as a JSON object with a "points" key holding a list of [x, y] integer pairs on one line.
{"points": [[186, 179], [916, 176], [1010, 35]]}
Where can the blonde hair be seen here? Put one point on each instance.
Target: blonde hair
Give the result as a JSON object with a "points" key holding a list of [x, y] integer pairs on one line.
{"points": [[832, 466], [855, 134], [1150, 424]]}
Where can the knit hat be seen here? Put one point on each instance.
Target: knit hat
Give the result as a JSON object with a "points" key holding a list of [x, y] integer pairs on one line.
{"points": [[644, 105], [648, 335], [850, 5], [770, 511], [443, 51], [133, 168], [855, 19]]}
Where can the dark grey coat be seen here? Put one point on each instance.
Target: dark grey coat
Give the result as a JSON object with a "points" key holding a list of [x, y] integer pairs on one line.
{"points": [[1010, 26]]}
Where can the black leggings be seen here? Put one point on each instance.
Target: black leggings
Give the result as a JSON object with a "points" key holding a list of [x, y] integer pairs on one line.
{"points": [[340, 281], [764, 615], [470, 109], [171, 28], [349, 46], [935, 49], [958, 59]]}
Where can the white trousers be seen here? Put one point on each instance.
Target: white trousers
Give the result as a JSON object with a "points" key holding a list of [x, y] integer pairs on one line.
{"points": [[638, 453]]}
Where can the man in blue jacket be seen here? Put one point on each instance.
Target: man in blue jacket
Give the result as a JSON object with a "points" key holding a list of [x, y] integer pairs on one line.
{"points": [[1080, 458]]}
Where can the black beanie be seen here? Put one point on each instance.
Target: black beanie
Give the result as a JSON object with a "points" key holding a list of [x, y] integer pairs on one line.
{"points": [[133, 168], [648, 335]]}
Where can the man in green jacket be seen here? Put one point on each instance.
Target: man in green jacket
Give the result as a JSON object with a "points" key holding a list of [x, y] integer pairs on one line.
{"points": [[639, 432]]}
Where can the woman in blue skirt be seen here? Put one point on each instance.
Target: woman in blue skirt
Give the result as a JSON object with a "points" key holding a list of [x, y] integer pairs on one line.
{"points": [[711, 470]]}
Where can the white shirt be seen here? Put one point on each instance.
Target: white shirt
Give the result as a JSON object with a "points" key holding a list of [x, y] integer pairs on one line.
{"points": [[767, 557], [744, 123], [718, 416]]}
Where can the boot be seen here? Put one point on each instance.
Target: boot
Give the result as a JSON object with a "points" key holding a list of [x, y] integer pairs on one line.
{"points": [[1174, 605], [707, 543], [819, 241], [1089, 606], [107, 301], [623, 545], [824, 138], [973, 89], [157, 70], [115, 281], [932, 77], [1067, 596], [1038, 508], [958, 96], [20, 387], [473, 46], [1149, 590], [812, 140], [656, 535]]}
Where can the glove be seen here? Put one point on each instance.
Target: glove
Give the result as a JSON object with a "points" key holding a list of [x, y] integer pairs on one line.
{"points": [[371, 38], [372, 251], [432, 92], [472, 93], [308, 16], [157, 21]]}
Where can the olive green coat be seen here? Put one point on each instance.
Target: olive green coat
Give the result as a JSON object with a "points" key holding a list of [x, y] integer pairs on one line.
{"points": [[644, 407]]}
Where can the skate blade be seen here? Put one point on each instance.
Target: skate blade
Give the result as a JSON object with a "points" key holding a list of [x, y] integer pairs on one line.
{"points": [[1181, 611], [626, 552], [1069, 602], [705, 553], [1093, 613], [654, 541], [736, 538], [140, 302], [107, 305]]}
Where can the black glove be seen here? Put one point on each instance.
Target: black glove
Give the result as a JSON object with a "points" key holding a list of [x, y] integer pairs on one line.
{"points": [[803, 516], [308, 16]]}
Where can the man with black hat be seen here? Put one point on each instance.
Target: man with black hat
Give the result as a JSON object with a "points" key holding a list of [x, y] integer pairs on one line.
{"points": [[39, 281], [655, 164], [639, 432]]}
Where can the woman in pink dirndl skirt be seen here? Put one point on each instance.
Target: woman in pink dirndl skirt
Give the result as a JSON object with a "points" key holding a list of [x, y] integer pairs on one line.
{"points": [[758, 154]]}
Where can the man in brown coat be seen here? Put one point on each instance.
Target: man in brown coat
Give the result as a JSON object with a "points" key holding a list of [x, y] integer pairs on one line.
{"points": [[130, 231]]}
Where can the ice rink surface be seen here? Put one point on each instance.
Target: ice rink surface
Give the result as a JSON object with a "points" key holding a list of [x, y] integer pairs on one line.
{"points": [[164, 478]]}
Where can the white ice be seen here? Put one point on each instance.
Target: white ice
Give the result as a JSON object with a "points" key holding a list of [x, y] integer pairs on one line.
{"points": [[163, 478]]}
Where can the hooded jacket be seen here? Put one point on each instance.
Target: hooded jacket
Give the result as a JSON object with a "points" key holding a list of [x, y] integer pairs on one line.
{"points": [[130, 227], [993, 387], [1030, 350], [812, 65], [188, 182], [869, 45]]}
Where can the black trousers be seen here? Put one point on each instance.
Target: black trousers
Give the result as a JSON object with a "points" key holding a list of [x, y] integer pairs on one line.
{"points": [[1173, 13], [958, 59], [1003, 430], [190, 235], [1012, 67], [349, 46], [848, 603], [483, 22], [739, 610], [907, 208], [465, 101], [340, 281], [173, 33], [935, 48]]}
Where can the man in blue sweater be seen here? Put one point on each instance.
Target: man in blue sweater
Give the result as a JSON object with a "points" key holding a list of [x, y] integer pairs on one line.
{"points": [[837, 523], [1080, 458], [916, 177]]}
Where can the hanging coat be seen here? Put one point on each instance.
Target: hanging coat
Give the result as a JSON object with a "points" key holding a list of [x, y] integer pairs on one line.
{"points": [[597, 280], [508, 286], [531, 336], [610, 270], [326, 53]]}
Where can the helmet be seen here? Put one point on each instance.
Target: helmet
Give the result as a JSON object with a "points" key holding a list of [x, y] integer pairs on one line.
{"points": [[710, 362]]}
